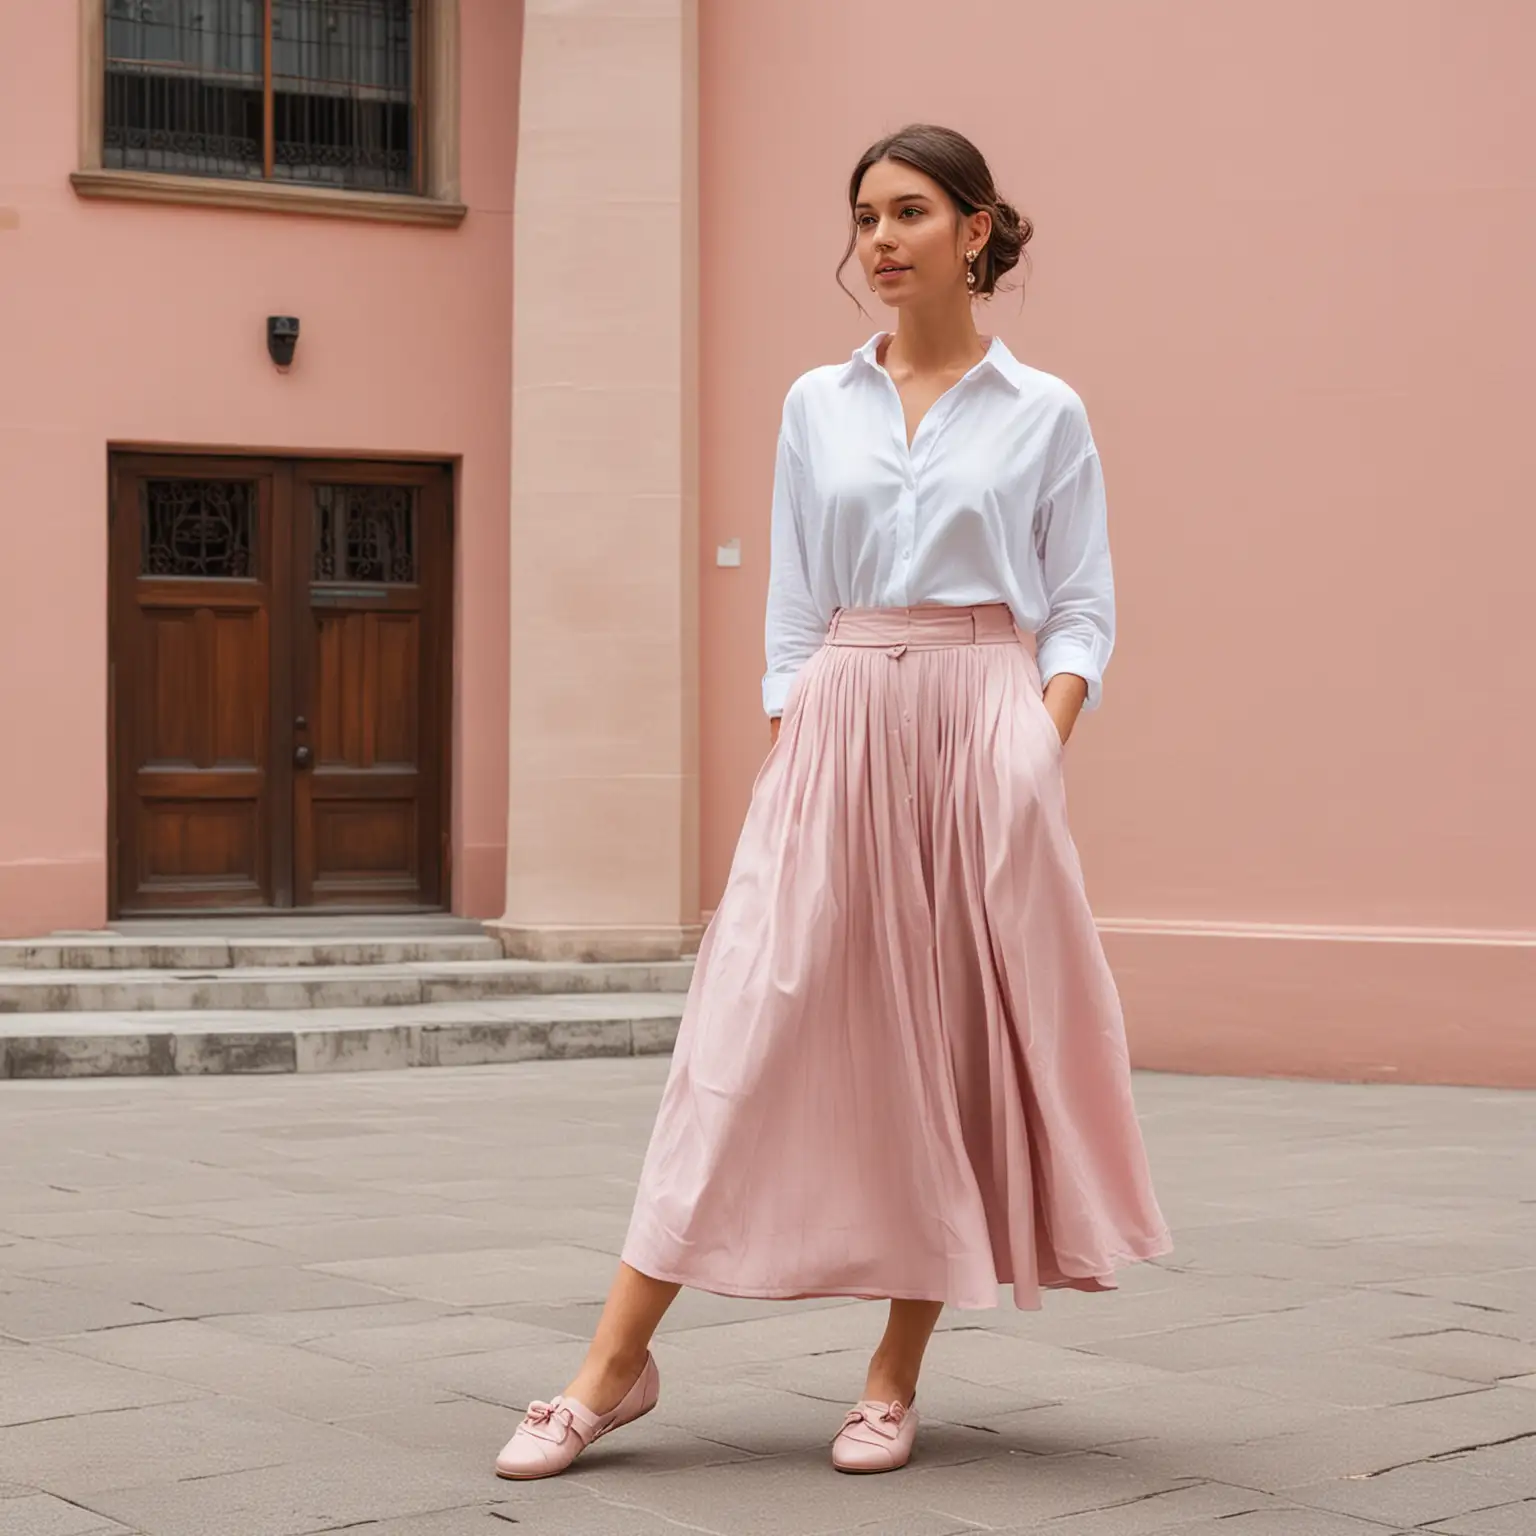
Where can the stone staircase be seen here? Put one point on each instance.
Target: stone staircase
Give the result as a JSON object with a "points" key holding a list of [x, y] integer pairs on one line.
{"points": [[205, 999]]}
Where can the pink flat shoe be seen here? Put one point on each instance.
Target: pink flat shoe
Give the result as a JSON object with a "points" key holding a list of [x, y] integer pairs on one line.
{"points": [[553, 1435], [875, 1437]]}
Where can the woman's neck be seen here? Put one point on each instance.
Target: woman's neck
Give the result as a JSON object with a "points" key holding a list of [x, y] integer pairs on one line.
{"points": [[935, 343]]}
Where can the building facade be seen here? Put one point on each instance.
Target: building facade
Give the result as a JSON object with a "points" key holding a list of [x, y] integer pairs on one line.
{"points": [[462, 606]]}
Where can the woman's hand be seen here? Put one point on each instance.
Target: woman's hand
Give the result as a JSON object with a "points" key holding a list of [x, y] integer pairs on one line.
{"points": [[1064, 697]]}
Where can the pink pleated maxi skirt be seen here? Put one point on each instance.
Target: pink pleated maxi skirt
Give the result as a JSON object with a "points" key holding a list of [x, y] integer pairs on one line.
{"points": [[902, 1068]]}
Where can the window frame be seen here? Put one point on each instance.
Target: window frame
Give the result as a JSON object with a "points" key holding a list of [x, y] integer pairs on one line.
{"points": [[437, 112]]}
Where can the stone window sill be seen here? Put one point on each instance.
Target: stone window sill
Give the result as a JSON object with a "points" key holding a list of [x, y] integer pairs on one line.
{"points": [[268, 196]]}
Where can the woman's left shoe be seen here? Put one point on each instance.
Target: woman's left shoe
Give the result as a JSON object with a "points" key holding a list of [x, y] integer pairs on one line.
{"points": [[875, 1437]]}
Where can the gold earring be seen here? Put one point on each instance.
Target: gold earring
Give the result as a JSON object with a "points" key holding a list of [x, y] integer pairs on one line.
{"points": [[970, 269]]}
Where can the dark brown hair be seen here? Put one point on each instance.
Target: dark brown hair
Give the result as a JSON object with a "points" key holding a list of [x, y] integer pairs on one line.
{"points": [[960, 168]]}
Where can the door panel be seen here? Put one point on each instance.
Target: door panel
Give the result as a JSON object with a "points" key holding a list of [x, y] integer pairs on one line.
{"points": [[193, 546], [280, 683], [371, 579], [202, 839]]}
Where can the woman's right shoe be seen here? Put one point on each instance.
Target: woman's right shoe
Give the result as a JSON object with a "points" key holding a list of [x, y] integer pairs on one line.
{"points": [[552, 1435], [875, 1437]]}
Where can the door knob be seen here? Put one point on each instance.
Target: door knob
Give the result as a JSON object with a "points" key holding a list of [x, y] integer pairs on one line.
{"points": [[301, 756], [301, 724]]}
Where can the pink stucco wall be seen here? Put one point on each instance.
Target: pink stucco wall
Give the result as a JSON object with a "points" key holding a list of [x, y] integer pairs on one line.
{"points": [[1283, 252], [134, 323]]}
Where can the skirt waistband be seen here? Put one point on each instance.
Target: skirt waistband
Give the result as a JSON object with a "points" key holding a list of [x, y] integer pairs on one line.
{"points": [[931, 626]]}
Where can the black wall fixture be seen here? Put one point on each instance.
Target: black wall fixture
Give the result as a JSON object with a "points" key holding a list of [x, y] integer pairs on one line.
{"points": [[282, 338]]}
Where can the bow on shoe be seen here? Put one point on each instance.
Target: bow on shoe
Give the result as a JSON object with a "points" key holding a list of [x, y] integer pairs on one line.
{"points": [[549, 1421], [887, 1422]]}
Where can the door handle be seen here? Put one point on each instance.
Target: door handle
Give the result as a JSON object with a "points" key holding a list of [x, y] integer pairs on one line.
{"points": [[301, 756]]}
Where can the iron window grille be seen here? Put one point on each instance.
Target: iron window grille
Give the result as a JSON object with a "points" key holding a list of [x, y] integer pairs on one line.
{"points": [[321, 92]]}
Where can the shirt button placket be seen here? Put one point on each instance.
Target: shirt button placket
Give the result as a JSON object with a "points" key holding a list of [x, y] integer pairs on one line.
{"points": [[907, 528], [906, 522]]}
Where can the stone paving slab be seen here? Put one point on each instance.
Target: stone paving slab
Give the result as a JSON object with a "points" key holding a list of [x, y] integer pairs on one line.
{"points": [[367, 1483], [1423, 1492], [41, 1514], [1343, 1378], [286, 1305], [168, 1447], [1272, 1520], [43, 1384], [1502, 1520]]}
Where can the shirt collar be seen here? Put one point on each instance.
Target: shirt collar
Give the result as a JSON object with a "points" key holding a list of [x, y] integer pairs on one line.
{"points": [[998, 358], [863, 357]]}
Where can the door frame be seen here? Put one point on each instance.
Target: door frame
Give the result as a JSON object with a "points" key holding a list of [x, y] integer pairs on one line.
{"points": [[220, 460]]}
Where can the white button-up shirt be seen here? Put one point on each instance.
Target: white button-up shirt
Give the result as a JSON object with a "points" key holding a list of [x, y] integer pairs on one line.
{"points": [[999, 499]]}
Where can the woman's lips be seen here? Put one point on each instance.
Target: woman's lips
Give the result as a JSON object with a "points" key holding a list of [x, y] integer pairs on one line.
{"points": [[888, 273]]}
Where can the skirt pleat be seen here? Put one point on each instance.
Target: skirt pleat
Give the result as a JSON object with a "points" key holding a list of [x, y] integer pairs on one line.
{"points": [[902, 1068]]}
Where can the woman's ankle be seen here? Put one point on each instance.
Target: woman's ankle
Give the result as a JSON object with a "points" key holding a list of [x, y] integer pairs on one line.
{"points": [[891, 1380], [626, 1360], [605, 1374]]}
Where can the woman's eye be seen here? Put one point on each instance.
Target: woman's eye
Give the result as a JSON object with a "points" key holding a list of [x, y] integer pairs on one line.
{"points": [[906, 211]]}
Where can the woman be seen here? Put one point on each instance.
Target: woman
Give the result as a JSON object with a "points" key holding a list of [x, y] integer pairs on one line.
{"points": [[901, 1071]]}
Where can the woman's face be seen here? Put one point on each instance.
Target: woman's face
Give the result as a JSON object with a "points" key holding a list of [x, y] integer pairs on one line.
{"points": [[910, 240]]}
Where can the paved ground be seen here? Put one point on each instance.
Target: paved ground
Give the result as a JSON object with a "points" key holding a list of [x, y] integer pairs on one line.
{"points": [[271, 1306]]}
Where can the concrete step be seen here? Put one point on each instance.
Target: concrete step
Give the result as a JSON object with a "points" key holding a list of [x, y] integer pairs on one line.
{"points": [[262, 988], [219, 952], [434, 1034]]}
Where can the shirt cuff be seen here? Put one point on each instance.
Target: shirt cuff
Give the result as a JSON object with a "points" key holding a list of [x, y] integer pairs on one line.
{"points": [[1061, 653], [776, 686]]}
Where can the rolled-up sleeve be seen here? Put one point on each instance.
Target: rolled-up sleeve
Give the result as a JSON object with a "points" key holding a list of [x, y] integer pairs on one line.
{"points": [[794, 626], [1079, 632]]}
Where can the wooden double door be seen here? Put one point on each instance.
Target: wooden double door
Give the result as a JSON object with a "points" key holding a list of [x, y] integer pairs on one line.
{"points": [[281, 677]]}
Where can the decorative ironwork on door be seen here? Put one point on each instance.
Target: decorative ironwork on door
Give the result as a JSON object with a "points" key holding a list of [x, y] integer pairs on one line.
{"points": [[365, 533], [199, 528]]}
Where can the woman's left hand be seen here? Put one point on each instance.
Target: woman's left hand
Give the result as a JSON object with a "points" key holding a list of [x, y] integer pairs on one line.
{"points": [[1064, 697]]}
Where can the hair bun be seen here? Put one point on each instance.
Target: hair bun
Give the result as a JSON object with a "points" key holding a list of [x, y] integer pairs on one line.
{"points": [[1011, 232]]}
